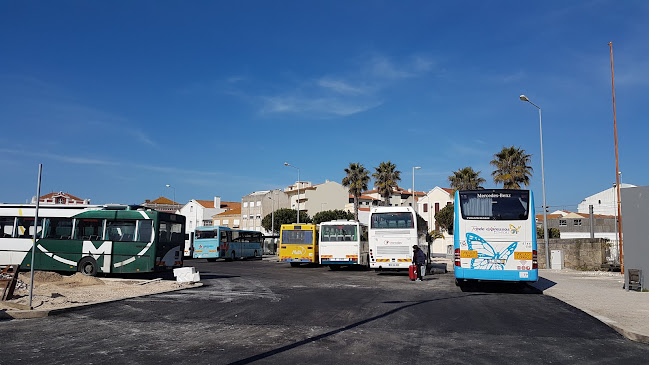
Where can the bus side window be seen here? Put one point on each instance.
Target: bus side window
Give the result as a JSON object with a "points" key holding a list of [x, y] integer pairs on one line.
{"points": [[6, 226]]}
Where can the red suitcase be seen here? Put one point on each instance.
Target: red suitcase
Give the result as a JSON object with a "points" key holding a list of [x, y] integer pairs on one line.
{"points": [[412, 272]]}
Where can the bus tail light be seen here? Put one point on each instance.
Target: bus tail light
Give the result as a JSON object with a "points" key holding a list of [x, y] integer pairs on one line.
{"points": [[535, 262], [457, 257]]}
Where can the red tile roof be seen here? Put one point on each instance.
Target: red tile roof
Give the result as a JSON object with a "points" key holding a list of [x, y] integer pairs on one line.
{"points": [[162, 200], [234, 211], [60, 193]]}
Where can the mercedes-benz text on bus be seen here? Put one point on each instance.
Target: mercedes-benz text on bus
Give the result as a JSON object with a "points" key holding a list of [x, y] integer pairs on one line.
{"points": [[495, 236]]}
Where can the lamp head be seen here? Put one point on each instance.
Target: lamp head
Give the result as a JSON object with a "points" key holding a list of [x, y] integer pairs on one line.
{"points": [[286, 163], [417, 167], [168, 185], [524, 98]]}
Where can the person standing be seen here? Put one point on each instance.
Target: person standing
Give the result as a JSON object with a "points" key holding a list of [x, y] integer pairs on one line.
{"points": [[419, 260]]}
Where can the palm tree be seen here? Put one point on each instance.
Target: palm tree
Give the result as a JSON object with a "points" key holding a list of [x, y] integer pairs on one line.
{"points": [[385, 179], [512, 167], [466, 179], [356, 180]]}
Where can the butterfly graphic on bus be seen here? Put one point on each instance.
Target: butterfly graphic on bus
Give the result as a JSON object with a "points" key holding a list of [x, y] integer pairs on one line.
{"points": [[488, 257]]}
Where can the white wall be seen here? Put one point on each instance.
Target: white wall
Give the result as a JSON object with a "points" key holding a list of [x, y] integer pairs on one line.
{"points": [[604, 202]]}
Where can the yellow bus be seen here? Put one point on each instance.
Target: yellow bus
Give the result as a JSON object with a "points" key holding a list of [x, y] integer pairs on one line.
{"points": [[298, 243]]}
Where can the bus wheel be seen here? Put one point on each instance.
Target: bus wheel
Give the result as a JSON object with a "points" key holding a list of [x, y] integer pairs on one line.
{"points": [[87, 266], [257, 255], [334, 267], [233, 256], [295, 264]]}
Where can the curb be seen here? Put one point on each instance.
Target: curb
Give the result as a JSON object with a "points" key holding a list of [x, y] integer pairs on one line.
{"points": [[42, 313], [631, 335]]}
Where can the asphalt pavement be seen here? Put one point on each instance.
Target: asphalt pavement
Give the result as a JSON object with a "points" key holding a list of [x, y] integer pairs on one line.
{"points": [[597, 293], [600, 294]]}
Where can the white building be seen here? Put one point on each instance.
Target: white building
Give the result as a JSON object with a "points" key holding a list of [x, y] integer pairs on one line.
{"points": [[604, 202], [427, 207], [199, 212]]}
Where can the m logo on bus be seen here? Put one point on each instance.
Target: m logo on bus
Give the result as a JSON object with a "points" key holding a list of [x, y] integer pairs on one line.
{"points": [[106, 248]]}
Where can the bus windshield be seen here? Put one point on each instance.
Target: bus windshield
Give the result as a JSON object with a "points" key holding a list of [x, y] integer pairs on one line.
{"points": [[392, 220], [502, 205], [297, 237]]}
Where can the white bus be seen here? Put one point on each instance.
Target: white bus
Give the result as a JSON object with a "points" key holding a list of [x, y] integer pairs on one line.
{"points": [[392, 233], [343, 242]]}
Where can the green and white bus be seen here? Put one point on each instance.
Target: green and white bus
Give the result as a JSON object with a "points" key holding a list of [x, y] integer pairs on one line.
{"points": [[91, 239]]}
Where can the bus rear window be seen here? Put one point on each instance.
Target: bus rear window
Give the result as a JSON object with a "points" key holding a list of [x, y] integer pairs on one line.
{"points": [[297, 237], [392, 220], [201, 235], [338, 233], [486, 205]]}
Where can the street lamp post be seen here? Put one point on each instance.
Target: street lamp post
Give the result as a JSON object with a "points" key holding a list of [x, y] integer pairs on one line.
{"points": [[414, 200], [173, 187], [272, 213], [298, 189], [545, 215]]}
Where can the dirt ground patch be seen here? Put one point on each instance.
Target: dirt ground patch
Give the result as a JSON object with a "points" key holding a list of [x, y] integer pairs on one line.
{"points": [[55, 291]]}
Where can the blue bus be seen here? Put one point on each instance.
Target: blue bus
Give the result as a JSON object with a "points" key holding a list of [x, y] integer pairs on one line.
{"points": [[213, 242], [495, 236]]}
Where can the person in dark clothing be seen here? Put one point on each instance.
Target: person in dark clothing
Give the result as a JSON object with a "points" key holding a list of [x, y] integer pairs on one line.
{"points": [[419, 260]]}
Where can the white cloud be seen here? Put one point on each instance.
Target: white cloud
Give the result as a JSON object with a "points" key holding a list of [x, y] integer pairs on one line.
{"points": [[316, 107], [345, 93], [342, 87]]}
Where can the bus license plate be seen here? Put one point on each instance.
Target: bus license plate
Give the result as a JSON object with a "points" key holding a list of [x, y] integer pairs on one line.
{"points": [[395, 264], [469, 254], [522, 255]]}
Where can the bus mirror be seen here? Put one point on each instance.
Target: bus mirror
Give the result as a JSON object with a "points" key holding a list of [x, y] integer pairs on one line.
{"points": [[186, 236]]}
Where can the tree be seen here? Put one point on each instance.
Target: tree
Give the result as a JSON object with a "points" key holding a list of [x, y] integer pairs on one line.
{"points": [[386, 178], [331, 215], [512, 167], [445, 218], [284, 216], [552, 232], [466, 179], [356, 180], [430, 238]]}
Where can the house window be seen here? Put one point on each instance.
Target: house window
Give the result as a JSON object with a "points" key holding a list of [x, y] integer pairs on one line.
{"points": [[425, 207], [60, 200], [577, 222], [226, 222], [259, 203], [436, 208], [236, 222], [217, 222], [563, 223], [191, 208]]}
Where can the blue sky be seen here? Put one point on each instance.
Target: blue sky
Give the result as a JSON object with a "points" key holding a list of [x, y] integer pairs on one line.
{"points": [[117, 99]]}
